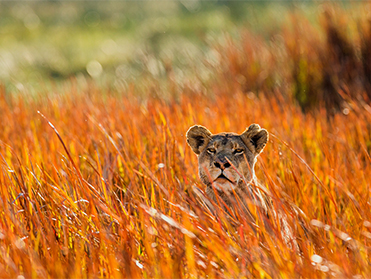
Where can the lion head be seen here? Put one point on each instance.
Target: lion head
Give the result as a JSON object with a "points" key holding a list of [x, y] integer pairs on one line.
{"points": [[226, 160]]}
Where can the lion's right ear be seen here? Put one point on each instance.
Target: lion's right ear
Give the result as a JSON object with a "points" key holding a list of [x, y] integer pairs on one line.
{"points": [[198, 137]]}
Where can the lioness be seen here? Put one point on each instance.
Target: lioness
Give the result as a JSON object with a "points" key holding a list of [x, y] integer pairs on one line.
{"points": [[226, 166]]}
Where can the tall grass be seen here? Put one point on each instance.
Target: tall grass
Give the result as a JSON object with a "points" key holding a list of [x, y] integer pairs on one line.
{"points": [[99, 184], [93, 187]]}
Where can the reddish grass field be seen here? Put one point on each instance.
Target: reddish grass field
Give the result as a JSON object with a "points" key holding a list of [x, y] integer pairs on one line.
{"points": [[99, 184]]}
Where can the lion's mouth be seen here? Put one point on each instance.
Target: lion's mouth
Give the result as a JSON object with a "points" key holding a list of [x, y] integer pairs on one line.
{"points": [[222, 176]]}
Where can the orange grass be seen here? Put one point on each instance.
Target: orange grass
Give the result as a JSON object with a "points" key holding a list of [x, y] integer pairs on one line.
{"points": [[96, 184], [111, 196]]}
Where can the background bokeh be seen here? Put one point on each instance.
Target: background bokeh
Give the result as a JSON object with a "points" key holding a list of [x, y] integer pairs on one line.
{"points": [[301, 48], [120, 41]]}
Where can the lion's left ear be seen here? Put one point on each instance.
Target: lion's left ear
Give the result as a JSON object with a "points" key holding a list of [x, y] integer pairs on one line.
{"points": [[255, 138]]}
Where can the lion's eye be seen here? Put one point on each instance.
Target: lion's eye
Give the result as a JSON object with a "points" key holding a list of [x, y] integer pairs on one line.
{"points": [[238, 151], [211, 150]]}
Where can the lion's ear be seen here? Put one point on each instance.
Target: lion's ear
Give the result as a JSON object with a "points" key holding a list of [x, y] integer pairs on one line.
{"points": [[255, 138], [197, 138]]}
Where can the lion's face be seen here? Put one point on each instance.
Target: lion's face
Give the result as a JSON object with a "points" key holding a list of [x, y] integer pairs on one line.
{"points": [[225, 160]]}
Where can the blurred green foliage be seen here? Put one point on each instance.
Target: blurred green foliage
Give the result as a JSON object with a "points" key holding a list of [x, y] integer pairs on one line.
{"points": [[117, 42]]}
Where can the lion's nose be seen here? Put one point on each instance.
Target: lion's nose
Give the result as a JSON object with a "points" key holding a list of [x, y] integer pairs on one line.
{"points": [[222, 165]]}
